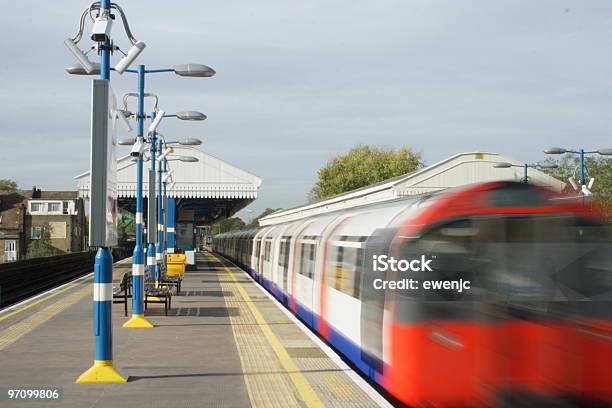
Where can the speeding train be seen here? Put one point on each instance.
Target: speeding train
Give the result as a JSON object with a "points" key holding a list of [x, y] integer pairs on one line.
{"points": [[534, 327]]}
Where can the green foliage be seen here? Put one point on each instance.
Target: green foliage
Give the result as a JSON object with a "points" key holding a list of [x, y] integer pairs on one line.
{"points": [[598, 167], [41, 247], [226, 225], [8, 186], [362, 166], [126, 225], [267, 211]]}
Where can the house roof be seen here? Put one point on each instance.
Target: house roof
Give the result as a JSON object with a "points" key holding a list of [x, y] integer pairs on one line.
{"points": [[11, 210], [58, 195]]}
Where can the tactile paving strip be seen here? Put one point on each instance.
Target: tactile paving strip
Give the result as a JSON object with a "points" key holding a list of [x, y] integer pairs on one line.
{"points": [[332, 385]]}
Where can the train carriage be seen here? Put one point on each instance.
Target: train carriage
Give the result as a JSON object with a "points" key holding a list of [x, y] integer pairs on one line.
{"points": [[535, 321]]}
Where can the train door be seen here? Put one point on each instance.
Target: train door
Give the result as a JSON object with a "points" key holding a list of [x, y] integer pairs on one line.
{"points": [[255, 271], [295, 254], [264, 255], [275, 272], [320, 293]]}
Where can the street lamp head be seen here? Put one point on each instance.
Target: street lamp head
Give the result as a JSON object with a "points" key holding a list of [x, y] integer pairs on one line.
{"points": [[80, 70], [190, 115], [194, 70], [133, 53], [190, 141], [605, 152], [547, 165], [555, 150], [127, 142], [502, 165], [80, 56], [188, 159], [159, 115], [125, 113]]}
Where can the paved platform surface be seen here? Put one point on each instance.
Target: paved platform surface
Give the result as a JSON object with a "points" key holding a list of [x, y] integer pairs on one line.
{"points": [[225, 343]]}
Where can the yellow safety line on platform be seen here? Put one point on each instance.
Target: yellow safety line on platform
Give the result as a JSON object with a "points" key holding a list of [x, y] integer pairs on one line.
{"points": [[16, 331], [39, 301], [307, 393]]}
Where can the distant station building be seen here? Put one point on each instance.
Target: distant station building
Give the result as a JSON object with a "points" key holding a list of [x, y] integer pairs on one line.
{"points": [[23, 215], [204, 191], [457, 170]]}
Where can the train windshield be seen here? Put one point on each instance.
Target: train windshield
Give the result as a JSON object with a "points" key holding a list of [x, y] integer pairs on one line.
{"points": [[526, 257]]}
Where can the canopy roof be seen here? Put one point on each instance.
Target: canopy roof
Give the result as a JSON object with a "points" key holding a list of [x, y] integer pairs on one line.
{"points": [[210, 177], [457, 170]]}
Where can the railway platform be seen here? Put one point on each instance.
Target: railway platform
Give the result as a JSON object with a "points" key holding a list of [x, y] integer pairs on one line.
{"points": [[224, 343]]}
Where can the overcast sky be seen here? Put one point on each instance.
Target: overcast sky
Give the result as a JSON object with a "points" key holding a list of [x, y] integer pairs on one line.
{"points": [[300, 81]]}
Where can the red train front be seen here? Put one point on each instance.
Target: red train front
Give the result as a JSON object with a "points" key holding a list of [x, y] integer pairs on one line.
{"points": [[535, 326]]}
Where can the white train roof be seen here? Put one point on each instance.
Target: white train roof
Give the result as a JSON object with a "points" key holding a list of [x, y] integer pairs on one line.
{"points": [[460, 169], [210, 177]]}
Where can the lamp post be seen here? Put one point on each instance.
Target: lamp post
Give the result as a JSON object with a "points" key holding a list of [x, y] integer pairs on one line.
{"points": [[582, 153], [526, 166], [196, 70], [102, 369]]}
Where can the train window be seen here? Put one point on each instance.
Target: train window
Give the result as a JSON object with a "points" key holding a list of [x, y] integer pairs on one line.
{"points": [[267, 249], [449, 246], [516, 195], [307, 259], [257, 248], [345, 267], [283, 260]]}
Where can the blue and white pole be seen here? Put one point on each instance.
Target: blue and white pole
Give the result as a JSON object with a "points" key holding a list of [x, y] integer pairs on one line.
{"points": [[170, 215], [102, 370], [138, 320], [165, 212], [160, 222], [151, 258]]}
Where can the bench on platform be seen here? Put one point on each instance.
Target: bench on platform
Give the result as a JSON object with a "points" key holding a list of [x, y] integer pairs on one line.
{"points": [[157, 295], [123, 291]]}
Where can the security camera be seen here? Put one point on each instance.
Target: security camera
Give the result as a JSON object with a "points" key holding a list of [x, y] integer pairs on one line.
{"points": [[80, 56], [133, 53], [158, 118], [573, 183], [101, 29], [590, 185], [138, 148]]}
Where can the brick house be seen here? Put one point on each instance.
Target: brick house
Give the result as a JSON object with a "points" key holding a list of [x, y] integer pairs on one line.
{"points": [[13, 243], [23, 215], [64, 212]]}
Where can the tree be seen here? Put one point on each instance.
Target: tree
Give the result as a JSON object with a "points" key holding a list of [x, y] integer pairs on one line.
{"points": [[597, 167], [255, 222], [362, 166], [126, 227], [41, 247], [8, 186], [226, 225]]}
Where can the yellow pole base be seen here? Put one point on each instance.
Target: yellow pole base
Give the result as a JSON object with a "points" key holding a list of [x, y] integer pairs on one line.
{"points": [[137, 321], [102, 371]]}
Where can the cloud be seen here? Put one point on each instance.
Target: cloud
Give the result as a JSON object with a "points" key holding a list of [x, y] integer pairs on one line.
{"points": [[299, 82]]}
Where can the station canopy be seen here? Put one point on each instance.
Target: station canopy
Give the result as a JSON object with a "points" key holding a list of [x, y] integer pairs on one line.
{"points": [[212, 188], [458, 170]]}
